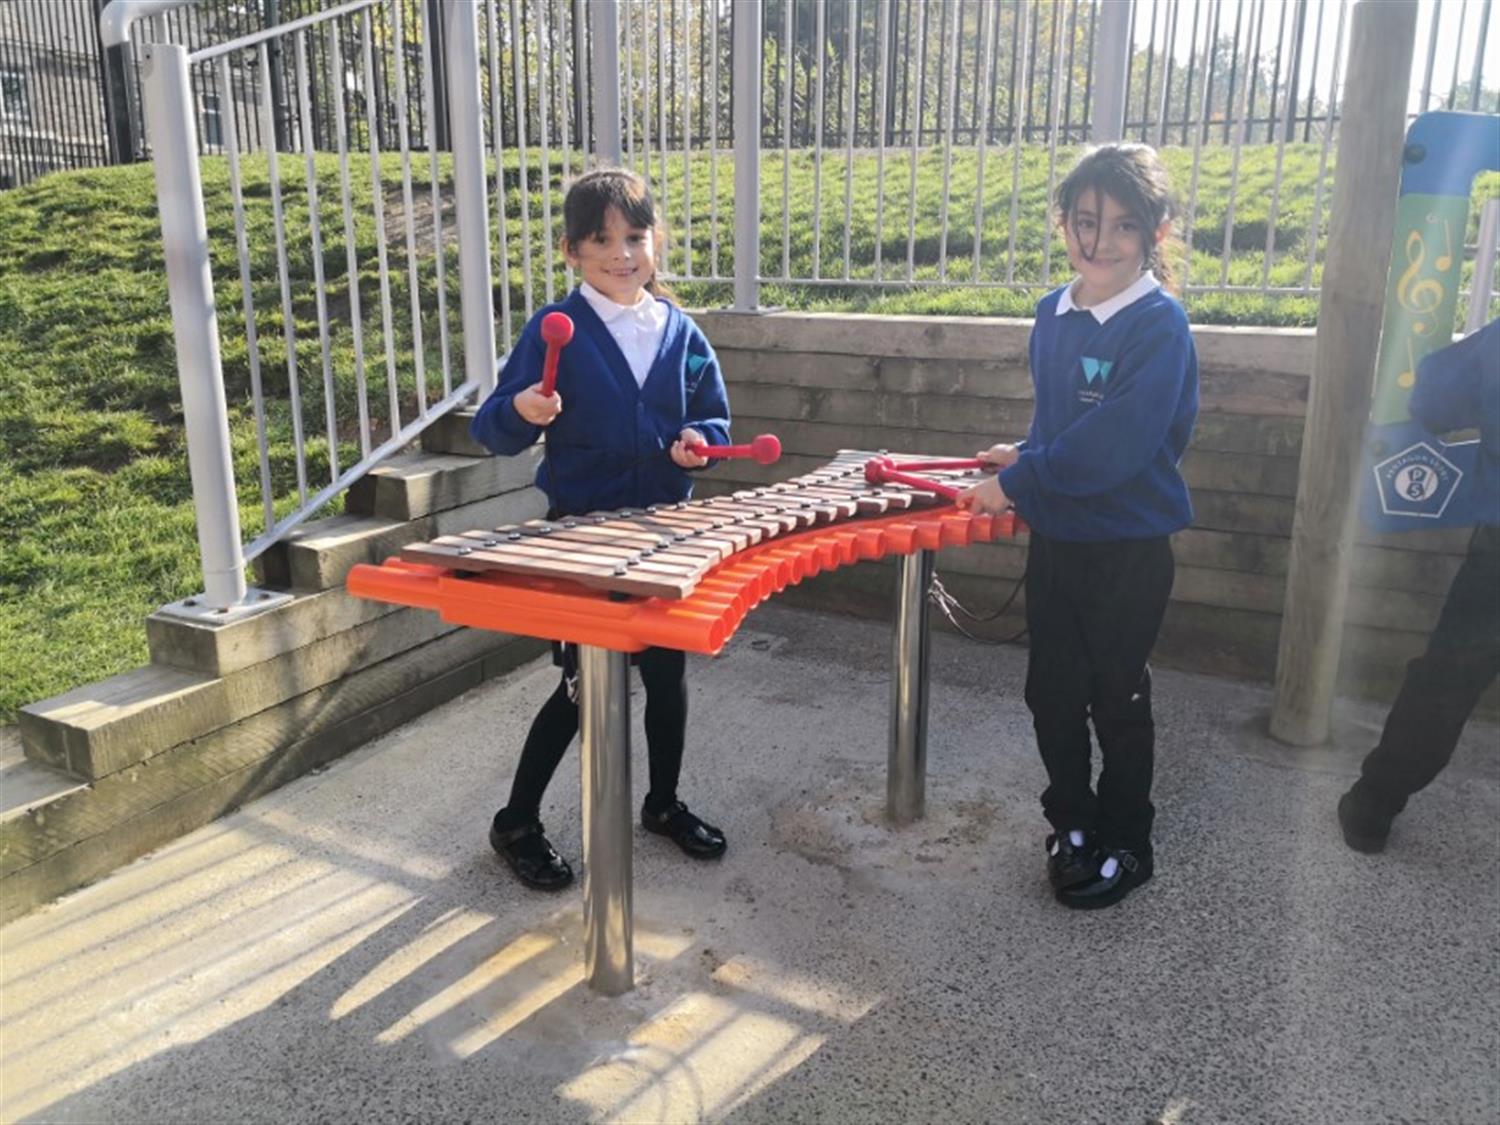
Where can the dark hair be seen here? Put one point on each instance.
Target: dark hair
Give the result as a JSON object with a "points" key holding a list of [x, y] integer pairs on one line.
{"points": [[587, 205], [1134, 177]]}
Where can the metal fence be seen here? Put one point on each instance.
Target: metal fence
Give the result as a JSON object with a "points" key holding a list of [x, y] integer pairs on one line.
{"points": [[338, 181], [978, 71]]}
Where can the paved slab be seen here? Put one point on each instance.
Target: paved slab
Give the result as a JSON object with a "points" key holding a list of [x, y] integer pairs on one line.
{"points": [[347, 949]]}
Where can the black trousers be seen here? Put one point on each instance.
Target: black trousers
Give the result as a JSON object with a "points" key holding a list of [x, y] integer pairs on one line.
{"points": [[663, 672], [1093, 611], [1442, 685]]}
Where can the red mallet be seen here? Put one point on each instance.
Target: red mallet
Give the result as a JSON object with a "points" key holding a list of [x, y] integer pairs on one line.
{"points": [[765, 449], [883, 470], [928, 466], [557, 330]]}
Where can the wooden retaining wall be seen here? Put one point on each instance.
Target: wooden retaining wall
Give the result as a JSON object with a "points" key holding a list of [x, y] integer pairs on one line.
{"points": [[952, 385]]}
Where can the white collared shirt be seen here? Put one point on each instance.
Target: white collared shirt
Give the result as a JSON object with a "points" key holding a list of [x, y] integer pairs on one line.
{"points": [[637, 328], [1126, 297]]}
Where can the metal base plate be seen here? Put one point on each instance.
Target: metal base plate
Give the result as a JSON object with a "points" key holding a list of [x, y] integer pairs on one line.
{"points": [[196, 610]]}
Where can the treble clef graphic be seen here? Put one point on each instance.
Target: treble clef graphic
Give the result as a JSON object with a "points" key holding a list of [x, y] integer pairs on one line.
{"points": [[1418, 294]]}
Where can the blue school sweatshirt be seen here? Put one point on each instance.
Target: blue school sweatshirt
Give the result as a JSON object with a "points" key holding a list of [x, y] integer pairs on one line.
{"points": [[609, 447], [1459, 388], [1115, 407]]}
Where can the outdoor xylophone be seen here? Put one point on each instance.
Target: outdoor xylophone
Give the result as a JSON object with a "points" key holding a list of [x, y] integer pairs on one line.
{"points": [[681, 575], [684, 576]]}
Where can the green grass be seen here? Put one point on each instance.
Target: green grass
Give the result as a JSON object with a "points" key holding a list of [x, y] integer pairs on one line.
{"points": [[96, 516]]}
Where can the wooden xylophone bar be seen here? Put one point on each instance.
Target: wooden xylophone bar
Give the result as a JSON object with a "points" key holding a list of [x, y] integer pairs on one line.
{"points": [[666, 550]]}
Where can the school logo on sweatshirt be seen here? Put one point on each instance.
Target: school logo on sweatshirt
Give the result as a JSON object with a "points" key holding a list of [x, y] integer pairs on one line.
{"points": [[1096, 369], [1095, 375], [1419, 481]]}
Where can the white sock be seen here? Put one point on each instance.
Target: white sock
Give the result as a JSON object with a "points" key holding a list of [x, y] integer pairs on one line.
{"points": [[1109, 867], [1075, 838]]}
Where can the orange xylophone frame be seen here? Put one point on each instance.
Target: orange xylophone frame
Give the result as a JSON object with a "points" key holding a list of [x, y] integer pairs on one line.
{"points": [[703, 622]]}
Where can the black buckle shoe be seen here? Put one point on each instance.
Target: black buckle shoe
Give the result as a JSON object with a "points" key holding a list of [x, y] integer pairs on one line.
{"points": [[531, 856], [698, 839], [1131, 870], [1364, 830], [1069, 864]]}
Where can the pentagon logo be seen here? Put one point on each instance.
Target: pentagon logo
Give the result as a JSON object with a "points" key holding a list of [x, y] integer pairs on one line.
{"points": [[1419, 481]]}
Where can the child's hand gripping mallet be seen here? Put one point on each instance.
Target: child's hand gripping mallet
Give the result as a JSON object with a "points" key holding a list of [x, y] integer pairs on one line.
{"points": [[884, 470], [764, 449], [557, 330]]}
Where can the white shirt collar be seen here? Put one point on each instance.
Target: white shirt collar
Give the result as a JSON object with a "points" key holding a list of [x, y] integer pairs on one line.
{"points": [[647, 310], [1133, 292]]}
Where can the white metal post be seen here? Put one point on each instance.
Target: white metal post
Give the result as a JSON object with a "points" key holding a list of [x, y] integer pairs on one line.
{"points": [[1111, 70], [747, 79], [470, 200], [195, 328], [605, 17]]}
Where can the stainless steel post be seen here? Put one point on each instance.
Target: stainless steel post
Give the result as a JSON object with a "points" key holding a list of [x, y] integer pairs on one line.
{"points": [[605, 15], [470, 197], [604, 717], [1111, 71], [906, 784], [746, 58]]}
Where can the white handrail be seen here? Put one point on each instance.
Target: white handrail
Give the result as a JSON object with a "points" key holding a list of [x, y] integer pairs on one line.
{"points": [[115, 20]]}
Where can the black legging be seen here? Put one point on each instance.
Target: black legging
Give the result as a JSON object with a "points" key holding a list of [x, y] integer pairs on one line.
{"points": [[662, 674]]}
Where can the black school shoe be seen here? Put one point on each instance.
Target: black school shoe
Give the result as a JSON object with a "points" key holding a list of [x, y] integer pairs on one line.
{"points": [[697, 839], [1132, 869], [1069, 864], [1365, 830], [531, 855]]}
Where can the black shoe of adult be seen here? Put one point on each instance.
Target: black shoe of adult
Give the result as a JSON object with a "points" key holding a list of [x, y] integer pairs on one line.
{"points": [[699, 840], [1067, 863], [531, 856], [1364, 830], [1129, 870]]}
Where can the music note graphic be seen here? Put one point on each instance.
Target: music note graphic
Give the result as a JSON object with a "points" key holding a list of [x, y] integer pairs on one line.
{"points": [[1444, 261], [1408, 378], [1418, 294]]}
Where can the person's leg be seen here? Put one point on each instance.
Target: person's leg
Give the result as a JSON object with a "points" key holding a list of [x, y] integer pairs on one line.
{"points": [[1057, 684], [547, 741], [1436, 698], [663, 672], [664, 676], [1122, 623], [1121, 618], [517, 832], [1057, 696]]}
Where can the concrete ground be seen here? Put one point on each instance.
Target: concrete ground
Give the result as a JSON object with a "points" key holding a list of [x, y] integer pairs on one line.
{"points": [[349, 950]]}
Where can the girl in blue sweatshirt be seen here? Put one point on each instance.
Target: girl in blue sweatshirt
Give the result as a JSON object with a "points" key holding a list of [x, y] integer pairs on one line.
{"points": [[1097, 480], [637, 385]]}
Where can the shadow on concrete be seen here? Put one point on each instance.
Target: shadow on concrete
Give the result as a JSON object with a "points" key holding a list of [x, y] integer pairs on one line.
{"points": [[347, 949]]}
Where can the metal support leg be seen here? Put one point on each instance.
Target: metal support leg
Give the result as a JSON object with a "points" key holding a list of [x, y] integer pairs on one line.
{"points": [[604, 717], [906, 785]]}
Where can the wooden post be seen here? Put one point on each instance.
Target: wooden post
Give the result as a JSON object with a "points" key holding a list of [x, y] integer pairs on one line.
{"points": [[1361, 218]]}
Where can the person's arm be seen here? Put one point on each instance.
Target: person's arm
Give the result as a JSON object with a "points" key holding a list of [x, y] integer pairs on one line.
{"points": [[496, 424], [708, 401], [1448, 394], [1118, 438]]}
